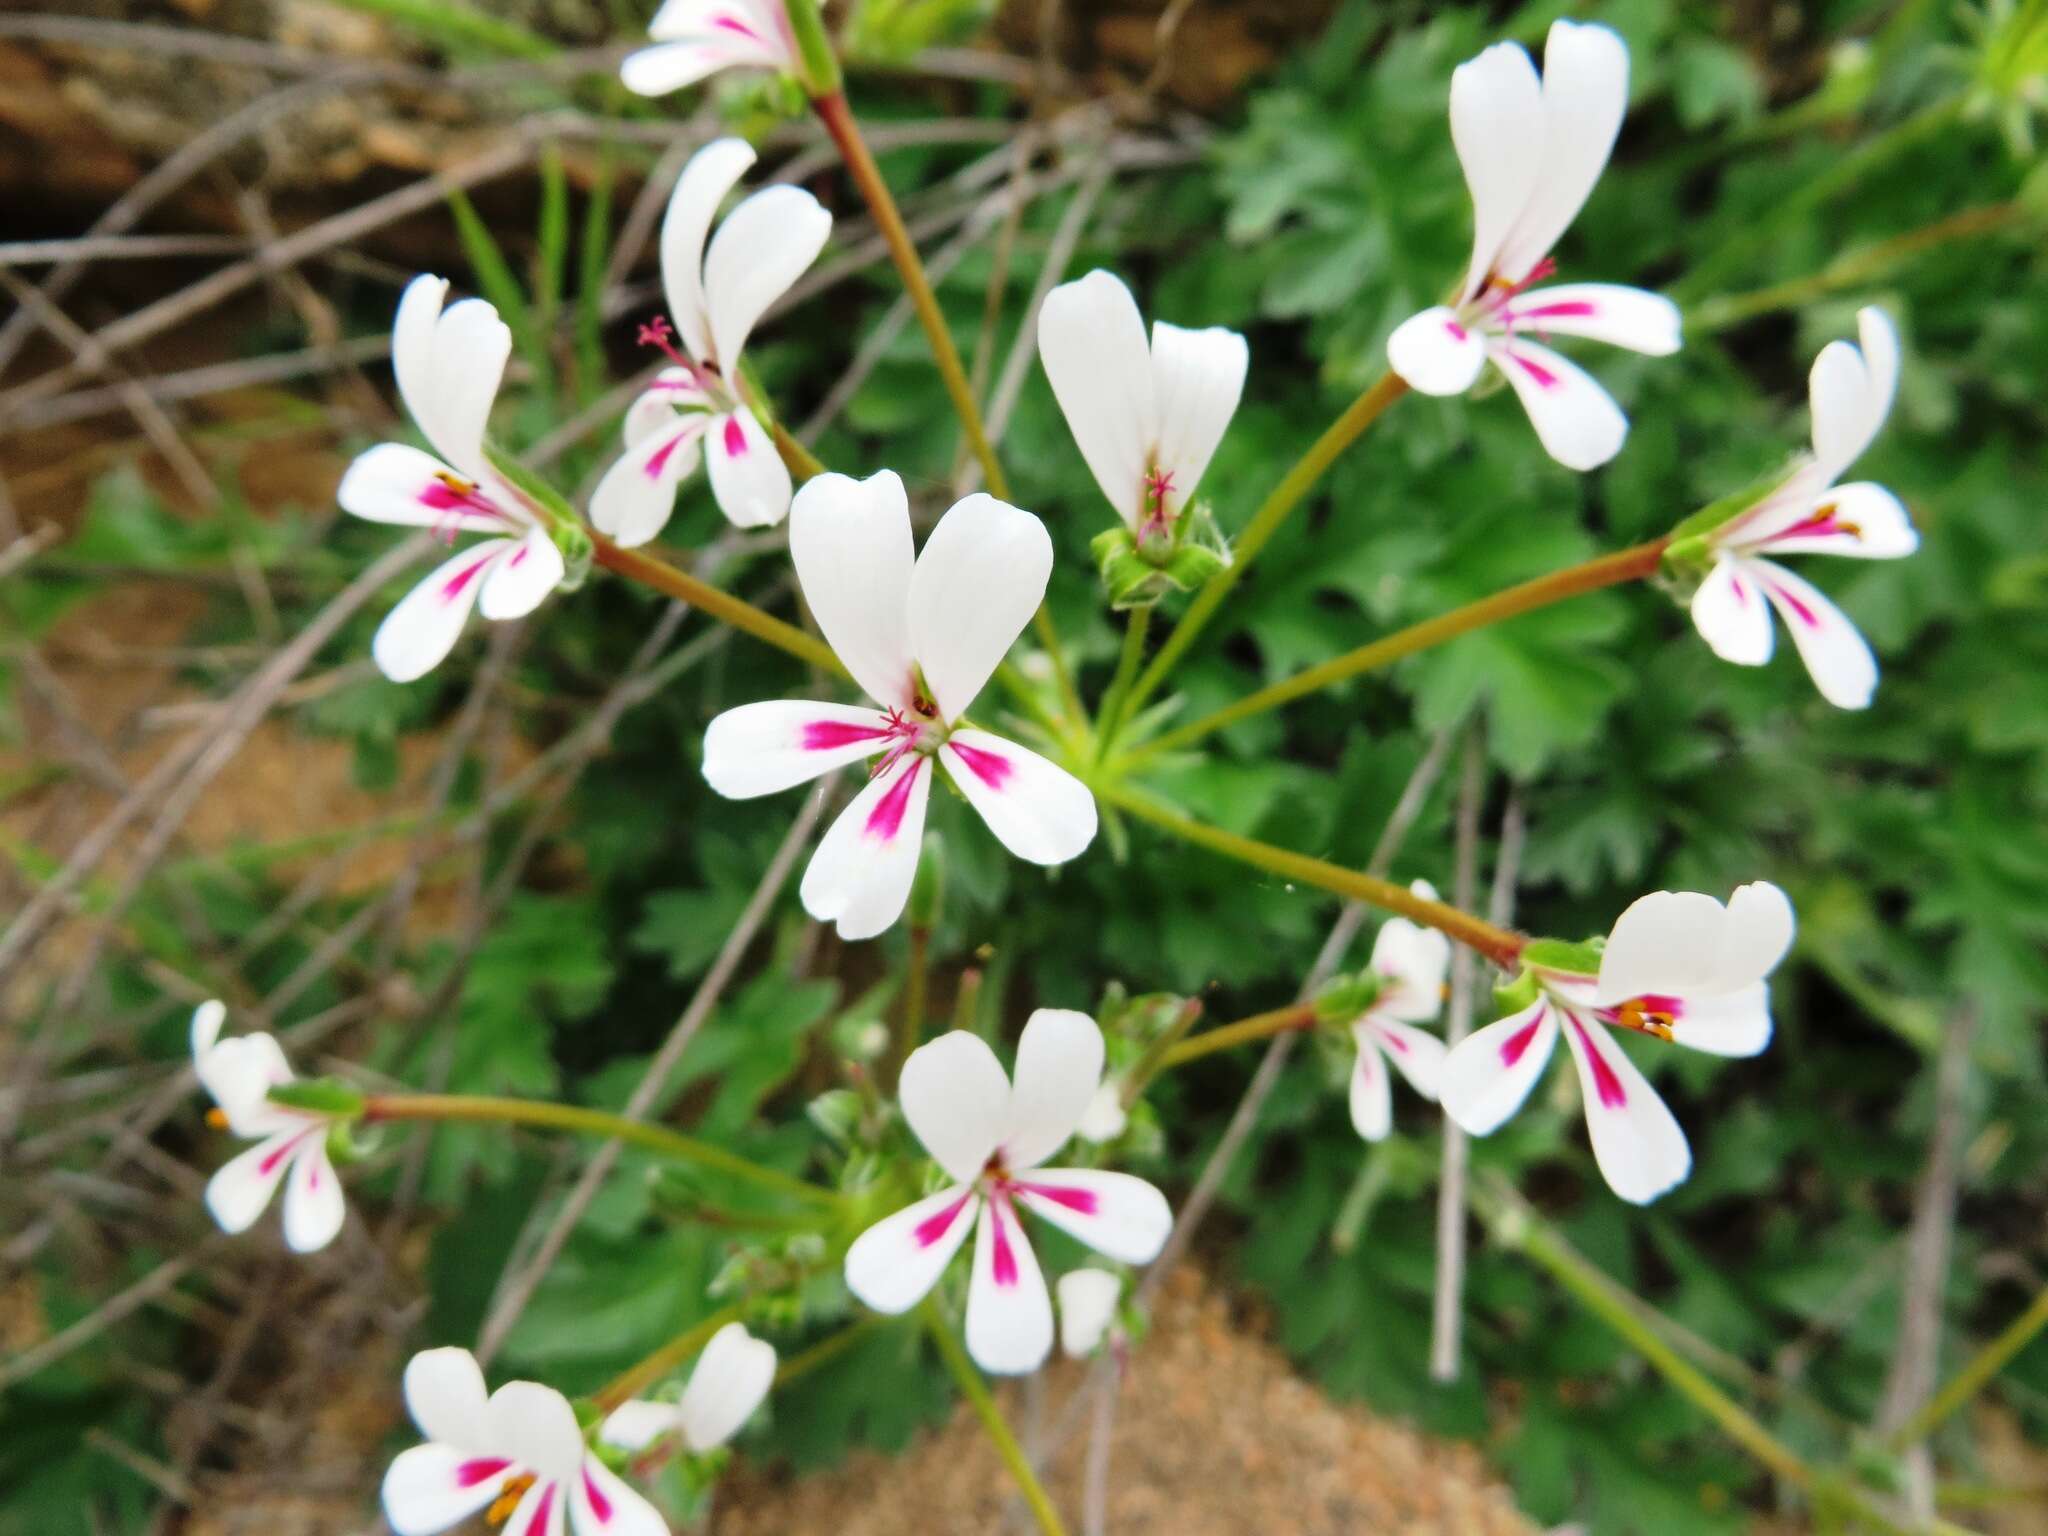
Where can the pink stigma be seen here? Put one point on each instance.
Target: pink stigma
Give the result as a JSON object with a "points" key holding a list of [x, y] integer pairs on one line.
{"points": [[1605, 1082], [660, 335], [991, 768]]}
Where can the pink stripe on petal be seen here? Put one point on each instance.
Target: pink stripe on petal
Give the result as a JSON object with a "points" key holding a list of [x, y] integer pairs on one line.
{"points": [[735, 438], [1805, 614], [662, 454], [828, 735], [1458, 332], [269, 1164], [1612, 1094], [454, 586], [734, 24], [1563, 309], [886, 819], [1004, 1264], [538, 1525], [600, 1506], [992, 768], [932, 1228], [1081, 1201], [1516, 1045], [482, 1470], [1544, 378]]}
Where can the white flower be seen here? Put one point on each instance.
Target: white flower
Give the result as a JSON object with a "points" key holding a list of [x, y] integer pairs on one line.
{"points": [[696, 38], [1808, 514], [1532, 151], [291, 1144], [449, 365], [990, 1139], [1088, 1299], [921, 638], [1679, 966], [519, 1455], [1147, 418], [1410, 962], [694, 410], [728, 1383], [1104, 1118]]}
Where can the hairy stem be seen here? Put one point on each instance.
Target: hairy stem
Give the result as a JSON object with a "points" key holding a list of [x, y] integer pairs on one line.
{"points": [[1608, 570], [1265, 522], [592, 1122], [1501, 945], [720, 605], [999, 1432]]}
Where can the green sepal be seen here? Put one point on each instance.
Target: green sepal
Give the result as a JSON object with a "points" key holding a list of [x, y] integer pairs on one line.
{"points": [[1193, 564], [1346, 998], [1731, 506], [817, 65], [329, 1096], [346, 1144], [1581, 959], [543, 495], [1513, 996]]}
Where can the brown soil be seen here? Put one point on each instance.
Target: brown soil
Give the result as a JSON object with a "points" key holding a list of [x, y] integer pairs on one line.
{"points": [[1215, 1435]]}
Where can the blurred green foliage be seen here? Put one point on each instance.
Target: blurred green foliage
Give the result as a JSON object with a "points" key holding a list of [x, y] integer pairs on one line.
{"points": [[1327, 207]]}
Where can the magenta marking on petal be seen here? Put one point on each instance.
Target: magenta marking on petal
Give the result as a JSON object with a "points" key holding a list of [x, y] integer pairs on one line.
{"points": [[453, 587], [735, 438], [482, 1470], [1740, 588], [827, 735], [1003, 1265], [1563, 309], [518, 556], [992, 768], [1605, 1082], [1805, 614], [1662, 1002], [729, 23], [538, 1525], [932, 1228], [269, 1164], [1544, 378], [886, 819], [1458, 332], [1513, 1048], [1083, 1202], [600, 1506], [662, 454], [1394, 1040]]}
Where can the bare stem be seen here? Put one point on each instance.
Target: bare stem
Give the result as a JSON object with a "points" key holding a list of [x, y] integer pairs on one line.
{"points": [[1975, 1376], [1120, 685], [1265, 522], [1607, 571], [1224, 1037], [999, 1432], [719, 604], [1501, 945]]}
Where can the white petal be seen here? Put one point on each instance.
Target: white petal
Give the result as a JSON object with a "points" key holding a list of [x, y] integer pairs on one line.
{"points": [[1576, 420], [1836, 655], [637, 496], [1091, 340], [670, 66], [1756, 935], [518, 582], [602, 1504], [1732, 1023], [393, 483], [418, 634], [978, 580], [1372, 1097], [536, 1427], [1622, 317], [1638, 1145], [763, 246], [635, 1425], [860, 876], [1667, 941], [748, 478], [1104, 1118], [1851, 391], [1732, 615], [1419, 1054], [313, 1207], [896, 1262], [1880, 360], [431, 1487], [1059, 1067], [1411, 962], [1488, 1074], [1861, 520], [1088, 1302], [1038, 810], [207, 1020], [1009, 1313], [444, 1393], [673, 394], [242, 1187], [471, 346], [1119, 1215], [850, 540], [1585, 94], [729, 1381], [1436, 352], [759, 749], [957, 1101], [1199, 379], [239, 1074], [412, 343], [1497, 126], [711, 174]]}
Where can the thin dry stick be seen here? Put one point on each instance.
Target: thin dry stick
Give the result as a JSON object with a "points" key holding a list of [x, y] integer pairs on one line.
{"points": [[109, 1312], [1445, 1310], [1918, 1356], [514, 1296], [1095, 1475]]}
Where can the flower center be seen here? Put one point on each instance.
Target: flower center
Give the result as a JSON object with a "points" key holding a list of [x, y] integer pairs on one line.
{"points": [[660, 335], [1652, 1014], [916, 729], [450, 496], [508, 1500], [1492, 300]]}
